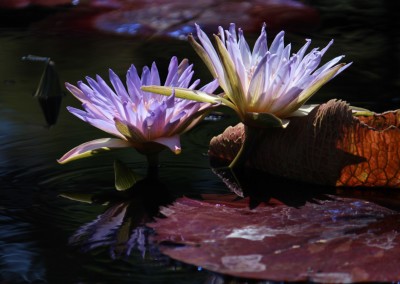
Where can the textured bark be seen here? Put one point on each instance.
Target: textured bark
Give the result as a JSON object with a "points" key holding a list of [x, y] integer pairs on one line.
{"points": [[330, 146]]}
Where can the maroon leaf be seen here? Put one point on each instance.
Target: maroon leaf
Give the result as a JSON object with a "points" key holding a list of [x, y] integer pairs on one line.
{"points": [[176, 18], [335, 240]]}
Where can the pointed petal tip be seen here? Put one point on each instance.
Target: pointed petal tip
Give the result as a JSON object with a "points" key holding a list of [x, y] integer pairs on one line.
{"points": [[198, 28], [71, 87], [343, 66], [111, 72], [173, 143]]}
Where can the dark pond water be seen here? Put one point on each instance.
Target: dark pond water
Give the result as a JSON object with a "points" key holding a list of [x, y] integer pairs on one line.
{"points": [[37, 224]]}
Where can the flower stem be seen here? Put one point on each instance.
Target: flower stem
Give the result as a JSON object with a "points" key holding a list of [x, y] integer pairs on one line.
{"points": [[152, 165], [250, 134]]}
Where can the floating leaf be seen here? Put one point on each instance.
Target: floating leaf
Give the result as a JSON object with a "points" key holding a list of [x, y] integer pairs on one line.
{"points": [[332, 240], [134, 18], [330, 146]]}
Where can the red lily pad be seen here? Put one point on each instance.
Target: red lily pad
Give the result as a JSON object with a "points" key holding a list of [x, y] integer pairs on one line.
{"points": [[335, 240], [177, 18]]}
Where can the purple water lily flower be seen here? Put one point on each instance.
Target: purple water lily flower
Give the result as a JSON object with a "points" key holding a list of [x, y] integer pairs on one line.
{"points": [[266, 81], [145, 121]]}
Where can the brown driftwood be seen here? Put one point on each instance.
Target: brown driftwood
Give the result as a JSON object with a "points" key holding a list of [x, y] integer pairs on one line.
{"points": [[330, 146]]}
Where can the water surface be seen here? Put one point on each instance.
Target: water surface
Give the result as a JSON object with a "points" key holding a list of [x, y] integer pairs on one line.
{"points": [[36, 223]]}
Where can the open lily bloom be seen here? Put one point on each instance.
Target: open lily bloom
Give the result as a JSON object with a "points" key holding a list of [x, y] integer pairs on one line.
{"points": [[142, 120], [264, 85], [265, 80]]}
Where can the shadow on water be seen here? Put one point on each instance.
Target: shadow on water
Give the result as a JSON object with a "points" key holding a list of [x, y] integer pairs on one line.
{"points": [[261, 187]]}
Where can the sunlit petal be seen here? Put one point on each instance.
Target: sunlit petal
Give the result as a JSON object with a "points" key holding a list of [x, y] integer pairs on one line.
{"points": [[266, 80], [188, 94], [304, 110], [314, 87], [92, 147], [173, 143], [142, 117]]}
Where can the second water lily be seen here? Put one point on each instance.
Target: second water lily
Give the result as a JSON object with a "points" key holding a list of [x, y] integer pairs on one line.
{"points": [[264, 85]]}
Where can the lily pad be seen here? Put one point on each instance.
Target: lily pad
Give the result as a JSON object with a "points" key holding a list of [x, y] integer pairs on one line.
{"points": [[177, 18], [333, 240], [330, 146]]}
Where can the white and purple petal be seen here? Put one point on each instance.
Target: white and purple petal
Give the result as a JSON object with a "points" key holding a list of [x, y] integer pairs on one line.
{"points": [[90, 148], [136, 116], [272, 80]]}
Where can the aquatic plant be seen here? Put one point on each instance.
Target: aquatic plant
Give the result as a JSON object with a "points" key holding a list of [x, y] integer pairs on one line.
{"points": [[145, 121], [266, 85]]}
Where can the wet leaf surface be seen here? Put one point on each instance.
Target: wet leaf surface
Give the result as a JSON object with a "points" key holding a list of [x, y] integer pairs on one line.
{"points": [[335, 240]]}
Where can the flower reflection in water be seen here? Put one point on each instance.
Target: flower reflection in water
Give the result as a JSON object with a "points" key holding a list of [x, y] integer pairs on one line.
{"points": [[122, 226]]}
